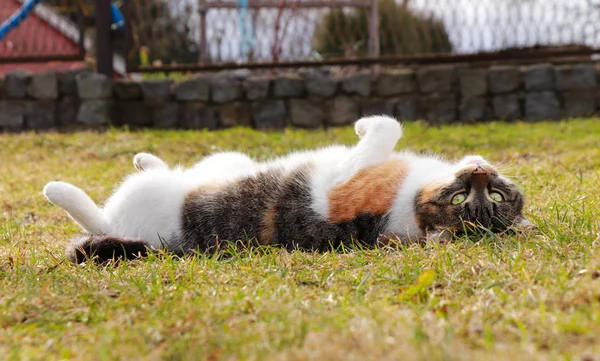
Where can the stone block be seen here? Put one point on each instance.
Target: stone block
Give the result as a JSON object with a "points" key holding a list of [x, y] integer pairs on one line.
{"points": [[436, 79], [43, 86], [225, 88], [441, 108], [234, 114], [269, 114], [16, 83], [288, 85], [358, 83], [12, 115], [395, 82], [93, 86], [156, 89], [164, 114], [125, 89], [575, 77], [95, 112], [307, 113], [473, 82], [66, 111], [377, 107], [196, 115], [503, 79], [132, 112], [506, 107], [40, 114], [67, 83], [539, 77], [342, 110], [542, 105], [473, 108], [321, 85], [193, 90], [407, 108], [257, 87], [579, 103]]}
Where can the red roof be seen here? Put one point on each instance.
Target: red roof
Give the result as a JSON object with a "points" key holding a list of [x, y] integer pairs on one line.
{"points": [[33, 37]]}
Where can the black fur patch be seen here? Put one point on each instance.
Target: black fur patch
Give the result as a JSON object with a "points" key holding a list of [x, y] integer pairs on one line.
{"points": [[102, 248]]}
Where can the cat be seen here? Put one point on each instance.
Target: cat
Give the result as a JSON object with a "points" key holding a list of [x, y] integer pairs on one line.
{"points": [[309, 200]]}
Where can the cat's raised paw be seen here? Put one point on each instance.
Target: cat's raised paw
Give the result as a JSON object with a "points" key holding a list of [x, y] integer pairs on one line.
{"points": [[378, 125], [145, 161]]}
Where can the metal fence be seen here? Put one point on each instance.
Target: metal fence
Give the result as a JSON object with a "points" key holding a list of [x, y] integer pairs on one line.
{"points": [[41, 32]]}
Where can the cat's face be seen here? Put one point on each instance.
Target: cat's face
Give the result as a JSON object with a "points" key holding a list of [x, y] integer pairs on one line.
{"points": [[476, 195]]}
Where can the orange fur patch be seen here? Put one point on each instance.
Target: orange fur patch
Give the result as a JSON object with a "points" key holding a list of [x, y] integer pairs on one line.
{"points": [[267, 225], [370, 190]]}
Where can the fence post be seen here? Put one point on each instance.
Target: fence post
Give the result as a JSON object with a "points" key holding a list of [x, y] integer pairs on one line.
{"points": [[104, 51], [374, 29], [202, 46]]}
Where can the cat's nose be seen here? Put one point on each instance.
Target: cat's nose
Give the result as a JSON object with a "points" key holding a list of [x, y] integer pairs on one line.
{"points": [[479, 177]]}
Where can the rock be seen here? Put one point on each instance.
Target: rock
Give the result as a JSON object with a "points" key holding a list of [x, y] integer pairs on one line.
{"points": [[257, 87], [575, 77], [16, 83], [95, 112], [473, 108], [43, 86], [436, 79], [579, 103], [441, 108], [127, 90], [93, 86], [377, 107], [67, 83], [196, 115], [358, 83], [407, 108], [288, 85], [156, 89], [269, 114], [395, 82], [225, 88], [66, 111], [12, 115], [132, 112], [342, 110], [193, 89], [539, 77], [542, 105], [503, 79], [307, 113], [40, 114], [321, 85], [472, 82], [506, 107], [164, 114], [234, 114]]}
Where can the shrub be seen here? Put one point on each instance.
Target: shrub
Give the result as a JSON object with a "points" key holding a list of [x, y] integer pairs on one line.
{"points": [[343, 33]]}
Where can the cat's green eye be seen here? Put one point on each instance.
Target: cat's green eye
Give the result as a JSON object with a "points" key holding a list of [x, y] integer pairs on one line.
{"points": [[459, 198], [496, 196]]}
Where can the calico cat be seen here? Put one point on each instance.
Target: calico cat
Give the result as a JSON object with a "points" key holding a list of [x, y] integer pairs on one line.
{"points": [[311, 200]]}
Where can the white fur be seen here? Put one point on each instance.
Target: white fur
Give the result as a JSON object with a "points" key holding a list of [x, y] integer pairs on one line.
{"points": [[148, 204]]}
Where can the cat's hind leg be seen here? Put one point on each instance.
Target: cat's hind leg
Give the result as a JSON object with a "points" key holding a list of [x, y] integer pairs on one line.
{"points": [[145, 161], [80, 207]]}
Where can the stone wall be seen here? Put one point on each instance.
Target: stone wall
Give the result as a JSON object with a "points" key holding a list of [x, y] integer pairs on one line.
{"points": [[308, 99]]}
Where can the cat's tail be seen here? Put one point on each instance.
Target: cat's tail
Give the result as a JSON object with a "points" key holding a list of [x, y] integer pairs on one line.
{"points": [[101, 248], [78, 205]]}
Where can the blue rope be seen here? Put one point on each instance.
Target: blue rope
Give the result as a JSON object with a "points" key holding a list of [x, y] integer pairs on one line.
{"points": [[246, 31], [21, 14]]}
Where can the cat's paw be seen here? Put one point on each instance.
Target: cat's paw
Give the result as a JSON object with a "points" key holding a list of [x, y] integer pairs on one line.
{"points": [[378, 126], [145, 161], [60, 193]]}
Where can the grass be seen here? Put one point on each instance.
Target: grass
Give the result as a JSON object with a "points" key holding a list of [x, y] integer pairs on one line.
{"points": [[534, 295]]}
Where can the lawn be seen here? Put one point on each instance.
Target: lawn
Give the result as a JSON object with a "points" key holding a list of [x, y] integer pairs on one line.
{"points": [[531, 295]]}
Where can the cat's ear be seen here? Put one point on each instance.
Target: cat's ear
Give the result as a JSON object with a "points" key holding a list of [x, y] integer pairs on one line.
{"points": [[472, 160], [145, 161]]}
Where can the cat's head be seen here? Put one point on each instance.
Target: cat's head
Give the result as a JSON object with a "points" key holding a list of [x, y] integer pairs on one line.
{"points": [[476, 195]]}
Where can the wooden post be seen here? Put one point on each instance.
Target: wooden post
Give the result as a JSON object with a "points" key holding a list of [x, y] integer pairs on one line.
{"points": [[374, 29], [202, 42], [104, 51]]}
